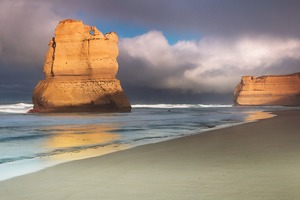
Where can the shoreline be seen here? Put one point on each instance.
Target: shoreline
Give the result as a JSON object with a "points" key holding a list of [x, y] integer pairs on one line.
{"points": [[27, 166], [253, 160]]}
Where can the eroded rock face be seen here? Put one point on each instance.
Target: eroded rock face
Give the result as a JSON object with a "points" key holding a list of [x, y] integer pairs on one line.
{"points": [[80, 70], [269, 90]]}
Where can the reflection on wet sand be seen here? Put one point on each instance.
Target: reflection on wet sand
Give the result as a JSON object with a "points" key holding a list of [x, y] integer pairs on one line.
{"points": [[83, 141], [80, 135], [257, 115]]}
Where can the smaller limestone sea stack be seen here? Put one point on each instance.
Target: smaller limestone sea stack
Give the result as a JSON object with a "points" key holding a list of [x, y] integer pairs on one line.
{"points": [[282, 90], [80, 70]]}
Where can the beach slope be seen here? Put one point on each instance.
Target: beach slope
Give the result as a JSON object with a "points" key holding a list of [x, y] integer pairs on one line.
{"points": [[258, 160]]}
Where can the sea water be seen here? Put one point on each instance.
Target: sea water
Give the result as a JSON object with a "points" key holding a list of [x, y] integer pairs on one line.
{"points": [[30, 142]]}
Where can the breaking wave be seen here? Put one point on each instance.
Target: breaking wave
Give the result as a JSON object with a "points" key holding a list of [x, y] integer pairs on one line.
{"points": [[181, 106], [25, 107], [16, 108]]}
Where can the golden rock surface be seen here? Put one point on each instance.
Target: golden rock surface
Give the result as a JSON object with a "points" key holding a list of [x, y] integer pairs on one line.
{"points": [[80, 70], [282, 90]]}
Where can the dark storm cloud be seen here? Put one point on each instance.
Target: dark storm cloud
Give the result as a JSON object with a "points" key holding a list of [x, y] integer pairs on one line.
{"points": [[202, 16], [26, 27]]}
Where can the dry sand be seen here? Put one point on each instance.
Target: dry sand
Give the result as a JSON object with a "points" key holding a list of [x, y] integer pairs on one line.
{"points": [[259, 160]]}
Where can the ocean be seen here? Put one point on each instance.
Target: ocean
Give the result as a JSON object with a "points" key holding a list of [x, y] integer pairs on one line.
{"points": [[30, 142]]}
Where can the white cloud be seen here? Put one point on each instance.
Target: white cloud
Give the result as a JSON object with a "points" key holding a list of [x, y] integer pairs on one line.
{"points": [[212, 64]]}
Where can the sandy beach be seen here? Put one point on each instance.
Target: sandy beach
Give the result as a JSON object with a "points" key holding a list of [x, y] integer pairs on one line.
{"points": [[257, 160]]}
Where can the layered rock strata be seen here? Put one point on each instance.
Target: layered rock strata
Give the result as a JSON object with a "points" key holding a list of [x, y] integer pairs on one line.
{"points": [[268, 90], [80, 70]]}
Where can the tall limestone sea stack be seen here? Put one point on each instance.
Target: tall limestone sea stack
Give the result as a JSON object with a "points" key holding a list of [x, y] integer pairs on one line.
{"points": [[283, 90], [80, 70]]}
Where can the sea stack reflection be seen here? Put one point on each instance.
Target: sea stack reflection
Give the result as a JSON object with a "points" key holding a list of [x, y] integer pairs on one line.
{"points": [[80, 70]]}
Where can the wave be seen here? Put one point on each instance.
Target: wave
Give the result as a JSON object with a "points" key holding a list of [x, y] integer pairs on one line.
{"points": [[181, 106], [16, 108], [25, 107], [56, 152], [24, 137]]}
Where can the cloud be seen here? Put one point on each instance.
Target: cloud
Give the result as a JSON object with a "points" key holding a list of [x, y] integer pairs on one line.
{"points": [[202, 17], [25, 26], [212, 64]]}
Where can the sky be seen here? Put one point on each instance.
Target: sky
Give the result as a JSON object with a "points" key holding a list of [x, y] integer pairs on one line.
{"points": [[170, 51]]}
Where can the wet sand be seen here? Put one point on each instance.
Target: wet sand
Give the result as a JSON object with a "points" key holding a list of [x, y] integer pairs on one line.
{"points": [[258, 160]]}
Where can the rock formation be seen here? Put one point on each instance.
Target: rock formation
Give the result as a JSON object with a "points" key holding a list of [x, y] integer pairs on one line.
{"points": [[269, 90], [80, 70]]}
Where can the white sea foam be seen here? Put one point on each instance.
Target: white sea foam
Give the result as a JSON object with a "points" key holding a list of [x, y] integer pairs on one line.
{"points": [[181, 106], [25, 107], [15, 108]]}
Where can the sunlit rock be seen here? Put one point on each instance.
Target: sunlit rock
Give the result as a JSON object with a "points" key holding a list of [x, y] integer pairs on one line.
{"points": [[268, 90], [80, 70]]}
